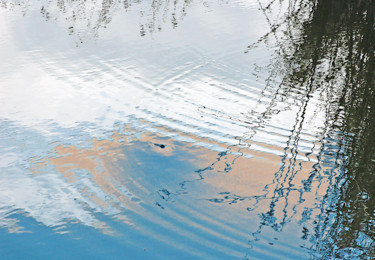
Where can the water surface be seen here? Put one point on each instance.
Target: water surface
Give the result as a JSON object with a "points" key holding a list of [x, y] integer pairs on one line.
{"points": [[187, 129]]}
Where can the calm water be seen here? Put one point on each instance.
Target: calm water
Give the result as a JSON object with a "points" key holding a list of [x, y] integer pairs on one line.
{"points": [[187, 129]]}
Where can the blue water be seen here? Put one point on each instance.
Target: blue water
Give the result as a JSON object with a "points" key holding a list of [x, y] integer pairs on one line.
{"points": [[187, 130]]}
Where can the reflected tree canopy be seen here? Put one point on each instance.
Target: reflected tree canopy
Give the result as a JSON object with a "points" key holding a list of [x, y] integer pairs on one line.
{"points": [[330, 50]]}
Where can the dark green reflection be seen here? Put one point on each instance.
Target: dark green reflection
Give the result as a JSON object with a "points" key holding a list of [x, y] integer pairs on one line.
{"points": [[330, 49]]}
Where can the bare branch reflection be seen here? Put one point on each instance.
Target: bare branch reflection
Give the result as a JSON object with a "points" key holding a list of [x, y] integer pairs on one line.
{"points": [[86, 19], [330, 51]]}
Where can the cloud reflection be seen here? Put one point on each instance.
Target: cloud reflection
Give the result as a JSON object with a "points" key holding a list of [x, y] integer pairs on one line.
{"points": [[285, 148]]}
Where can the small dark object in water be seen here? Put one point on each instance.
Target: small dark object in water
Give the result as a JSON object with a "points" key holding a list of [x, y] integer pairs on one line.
{"points": [[160, 145]]}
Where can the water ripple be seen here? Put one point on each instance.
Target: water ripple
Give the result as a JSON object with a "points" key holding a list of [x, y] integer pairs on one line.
{"points": [[187, 129]]}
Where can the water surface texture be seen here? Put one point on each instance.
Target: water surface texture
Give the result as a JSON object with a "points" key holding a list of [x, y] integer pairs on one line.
{"points": [[187, 129]]}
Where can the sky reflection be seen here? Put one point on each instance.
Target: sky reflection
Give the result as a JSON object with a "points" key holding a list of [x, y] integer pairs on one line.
{"points": [[187, 129]]}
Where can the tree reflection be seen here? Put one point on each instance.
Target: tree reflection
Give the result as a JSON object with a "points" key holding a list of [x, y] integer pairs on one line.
{"points": [[350, 27], [331, 50], [85, 19]]}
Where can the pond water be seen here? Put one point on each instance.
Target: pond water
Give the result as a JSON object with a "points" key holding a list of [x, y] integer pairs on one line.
{"points": [[187, 129]]}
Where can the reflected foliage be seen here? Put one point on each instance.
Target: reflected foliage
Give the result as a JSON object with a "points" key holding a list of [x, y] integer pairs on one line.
{"points": [[330, 50]]}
